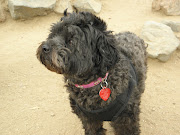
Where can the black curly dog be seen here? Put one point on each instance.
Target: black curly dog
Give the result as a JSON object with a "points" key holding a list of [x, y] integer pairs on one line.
{"points": [[80, 47]]}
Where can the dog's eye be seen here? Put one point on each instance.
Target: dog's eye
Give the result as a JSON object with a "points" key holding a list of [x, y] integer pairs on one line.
{"points": [[68, 43], [69, 40]]}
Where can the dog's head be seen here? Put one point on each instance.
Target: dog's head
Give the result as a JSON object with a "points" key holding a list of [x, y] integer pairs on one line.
{"points": [[78, 45]]}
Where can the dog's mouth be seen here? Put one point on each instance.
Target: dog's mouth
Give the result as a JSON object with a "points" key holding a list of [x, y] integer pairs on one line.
{"points": [[50, 61]]}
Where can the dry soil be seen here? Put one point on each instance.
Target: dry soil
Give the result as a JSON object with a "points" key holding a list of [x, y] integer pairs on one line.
{"points": [[33, 100]]}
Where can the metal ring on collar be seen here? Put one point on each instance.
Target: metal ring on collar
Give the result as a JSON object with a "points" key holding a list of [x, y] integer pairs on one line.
{"points": [[105, 82]]}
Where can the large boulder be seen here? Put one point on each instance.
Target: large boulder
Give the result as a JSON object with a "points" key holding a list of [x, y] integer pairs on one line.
{"points": [[62, 5], [160, 39], [169, 7], [87, 5], [23, 9], [175, 26]]}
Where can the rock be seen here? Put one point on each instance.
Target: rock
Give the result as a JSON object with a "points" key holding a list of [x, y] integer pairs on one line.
{"points": [[24, 9], [178, 37], [160, 39], [52, 114], [156, 5], [5, 5], [87, 5], [179, 40], [169, 7], [61, 5], [2, 15], [175, 26]]}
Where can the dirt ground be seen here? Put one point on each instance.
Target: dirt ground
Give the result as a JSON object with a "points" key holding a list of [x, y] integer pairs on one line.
{"points": [[33, 100]]}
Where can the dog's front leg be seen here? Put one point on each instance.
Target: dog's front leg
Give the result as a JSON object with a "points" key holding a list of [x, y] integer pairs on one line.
{"points": [[91, 126]]}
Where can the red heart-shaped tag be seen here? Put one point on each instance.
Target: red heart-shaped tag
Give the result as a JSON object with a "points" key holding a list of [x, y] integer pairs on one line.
{"points": [[105, 93]]}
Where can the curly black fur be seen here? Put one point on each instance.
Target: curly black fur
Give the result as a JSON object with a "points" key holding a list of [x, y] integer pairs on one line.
{"points": [[81, 48]]}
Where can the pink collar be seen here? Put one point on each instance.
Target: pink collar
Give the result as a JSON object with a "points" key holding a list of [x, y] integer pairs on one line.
{"points": [[92, 84]]}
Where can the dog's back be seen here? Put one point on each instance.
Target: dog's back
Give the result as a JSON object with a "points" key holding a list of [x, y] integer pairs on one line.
{"points": [[134, 48]]}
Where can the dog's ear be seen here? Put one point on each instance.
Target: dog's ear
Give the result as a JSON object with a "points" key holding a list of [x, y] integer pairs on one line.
{"points": [[106, 56]]}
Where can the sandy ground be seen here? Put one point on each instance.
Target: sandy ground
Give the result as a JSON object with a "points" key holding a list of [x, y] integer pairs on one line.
{"points": [[33, 100]]}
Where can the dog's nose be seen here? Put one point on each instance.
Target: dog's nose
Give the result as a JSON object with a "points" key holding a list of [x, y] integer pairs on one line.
{"points": [[46, 48]]}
